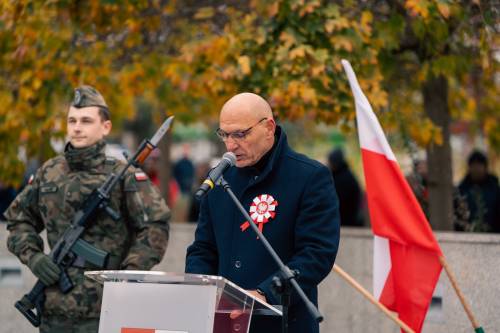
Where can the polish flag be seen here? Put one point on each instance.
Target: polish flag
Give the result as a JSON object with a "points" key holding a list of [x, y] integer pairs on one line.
{"points": [[406, 263]]}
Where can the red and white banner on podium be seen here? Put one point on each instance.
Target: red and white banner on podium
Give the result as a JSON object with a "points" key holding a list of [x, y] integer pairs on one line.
{"points": [[147, 330]]}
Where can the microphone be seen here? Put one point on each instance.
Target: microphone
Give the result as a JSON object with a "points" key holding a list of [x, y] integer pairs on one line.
{"points": [[228, 160]]}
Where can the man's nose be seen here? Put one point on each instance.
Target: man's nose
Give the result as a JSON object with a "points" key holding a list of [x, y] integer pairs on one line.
{"points": [[231, 144]]}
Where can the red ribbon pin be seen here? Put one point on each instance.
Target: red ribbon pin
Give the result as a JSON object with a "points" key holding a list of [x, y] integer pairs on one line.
{"points": [[262, 209]]}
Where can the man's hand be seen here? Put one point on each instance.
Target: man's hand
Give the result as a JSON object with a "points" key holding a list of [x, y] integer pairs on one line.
{"points": [[236, 313], [44, 268], [258, 295]]}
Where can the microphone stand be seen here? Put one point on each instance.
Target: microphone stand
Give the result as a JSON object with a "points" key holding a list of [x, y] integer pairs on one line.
{"points": [[281, 284]]}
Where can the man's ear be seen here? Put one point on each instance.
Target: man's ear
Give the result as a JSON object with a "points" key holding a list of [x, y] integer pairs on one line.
{"points": [[271, 125], [107, 126]]}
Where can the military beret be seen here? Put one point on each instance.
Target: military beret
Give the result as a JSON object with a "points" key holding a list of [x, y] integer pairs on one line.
{"points": [[88, 96]]}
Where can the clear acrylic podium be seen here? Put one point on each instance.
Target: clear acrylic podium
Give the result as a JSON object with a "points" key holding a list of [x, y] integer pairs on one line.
{"points": [[160, 302]]}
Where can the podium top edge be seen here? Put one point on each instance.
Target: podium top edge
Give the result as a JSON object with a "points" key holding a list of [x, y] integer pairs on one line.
{"points": [[151, 277], [179, 279]]}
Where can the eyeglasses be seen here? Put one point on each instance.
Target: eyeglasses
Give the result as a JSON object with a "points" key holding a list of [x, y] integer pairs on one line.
{"points": [[236, 135]]}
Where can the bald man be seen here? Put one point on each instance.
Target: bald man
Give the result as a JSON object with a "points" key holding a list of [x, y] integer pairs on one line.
{"points": [[291, 198]]}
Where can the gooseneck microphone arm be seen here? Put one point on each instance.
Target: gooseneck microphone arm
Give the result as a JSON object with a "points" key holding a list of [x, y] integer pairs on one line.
{"points": [[288, 276]]}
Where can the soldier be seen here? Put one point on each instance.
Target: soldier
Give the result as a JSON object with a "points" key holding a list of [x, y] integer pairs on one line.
{"points": [[137, 241]]}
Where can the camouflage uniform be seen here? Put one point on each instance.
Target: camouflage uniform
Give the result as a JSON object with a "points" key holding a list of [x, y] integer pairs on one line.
{"points": [[137, 241]]}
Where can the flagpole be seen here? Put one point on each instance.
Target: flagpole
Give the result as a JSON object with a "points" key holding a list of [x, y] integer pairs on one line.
{"points": [[372, 299], [461, 297]]}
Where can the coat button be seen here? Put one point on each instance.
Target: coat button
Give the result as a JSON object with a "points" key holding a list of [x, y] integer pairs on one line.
{"points": [[237, 264]]}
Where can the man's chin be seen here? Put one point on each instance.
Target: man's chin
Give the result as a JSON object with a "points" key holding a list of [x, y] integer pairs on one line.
{"points": [[79, 144], [243, 163]]}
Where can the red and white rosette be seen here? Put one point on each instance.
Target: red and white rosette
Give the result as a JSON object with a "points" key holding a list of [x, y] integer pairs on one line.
{"points": [[262, 209]]}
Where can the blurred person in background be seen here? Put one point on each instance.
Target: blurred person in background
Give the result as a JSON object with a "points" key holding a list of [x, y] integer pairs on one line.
{"points": [[348, 190], [202, 170], [481, 190], [152, 168], [418, 181], [7, 195], [184, 173]]}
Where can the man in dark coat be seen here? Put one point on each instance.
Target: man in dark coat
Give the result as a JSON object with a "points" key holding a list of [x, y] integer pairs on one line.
{"points": [[482, 193], [291, 198], [184, 172], [348, 189]]}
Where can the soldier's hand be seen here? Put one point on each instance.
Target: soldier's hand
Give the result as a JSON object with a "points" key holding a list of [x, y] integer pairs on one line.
{"points": [[44, 268]]}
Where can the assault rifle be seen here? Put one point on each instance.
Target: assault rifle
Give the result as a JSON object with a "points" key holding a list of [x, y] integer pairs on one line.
{"points": [[71, 245]]}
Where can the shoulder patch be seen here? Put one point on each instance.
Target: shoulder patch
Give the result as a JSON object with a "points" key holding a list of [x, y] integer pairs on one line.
{"points": [[48, 189], [110, 160], [140, 176]]}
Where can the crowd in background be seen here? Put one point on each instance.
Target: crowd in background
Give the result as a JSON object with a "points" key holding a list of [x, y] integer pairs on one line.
{"points": [[476, 198]]}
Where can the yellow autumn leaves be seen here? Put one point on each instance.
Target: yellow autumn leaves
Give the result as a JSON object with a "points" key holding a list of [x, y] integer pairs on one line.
{"points": [[189, 58]]}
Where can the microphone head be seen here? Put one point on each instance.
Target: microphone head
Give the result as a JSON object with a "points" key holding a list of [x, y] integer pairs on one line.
{"points": [[230, 157]]}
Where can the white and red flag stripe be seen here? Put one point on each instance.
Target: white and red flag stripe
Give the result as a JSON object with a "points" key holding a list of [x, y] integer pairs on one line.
{"points": [[406, 253], [147, 330]]}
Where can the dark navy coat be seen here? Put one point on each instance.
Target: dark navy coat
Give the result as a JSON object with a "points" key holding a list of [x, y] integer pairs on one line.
{"points": [[304, 231]]}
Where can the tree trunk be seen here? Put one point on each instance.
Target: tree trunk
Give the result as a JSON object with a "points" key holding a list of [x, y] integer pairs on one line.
{"points": [[440, 180]]}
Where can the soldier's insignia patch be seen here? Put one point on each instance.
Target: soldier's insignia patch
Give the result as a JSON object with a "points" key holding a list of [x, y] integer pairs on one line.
{"points": [[78, 97], [140, 176], [30, 180]]}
